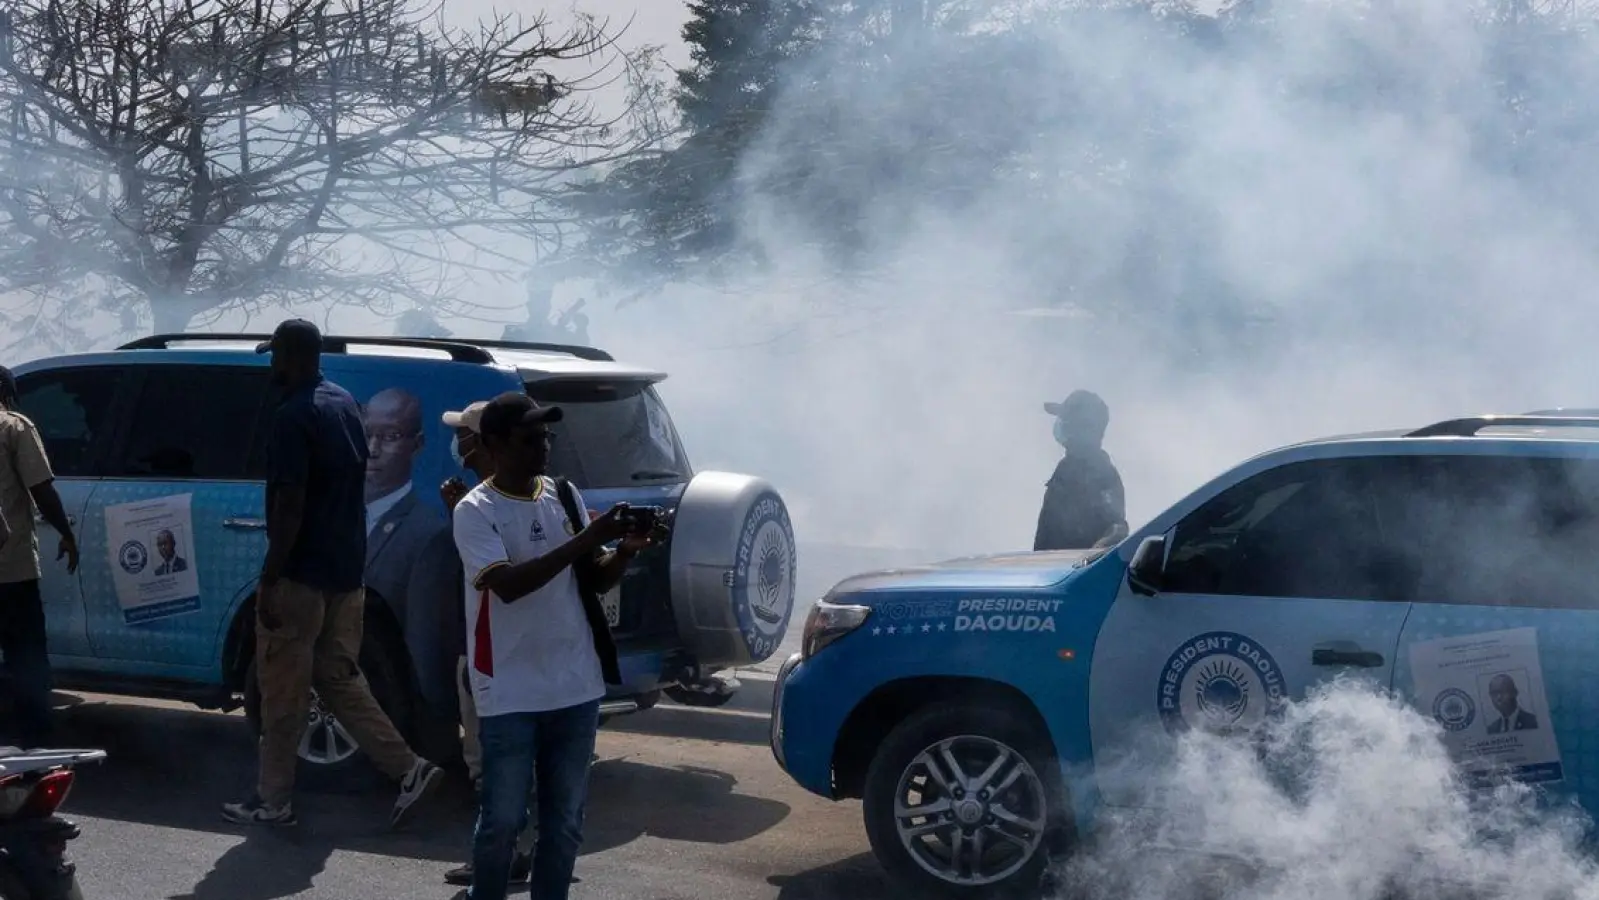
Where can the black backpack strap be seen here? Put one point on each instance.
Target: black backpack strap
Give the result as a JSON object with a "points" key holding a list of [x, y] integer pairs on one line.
{"points": [[604, 643], [569, 503]]}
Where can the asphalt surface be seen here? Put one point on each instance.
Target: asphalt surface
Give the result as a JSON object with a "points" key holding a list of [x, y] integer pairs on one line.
{"points": [[684, 804]]}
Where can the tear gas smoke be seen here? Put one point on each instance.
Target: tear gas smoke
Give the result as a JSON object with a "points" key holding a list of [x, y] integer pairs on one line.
{"points": [[1336, 221], [1348, 796]]}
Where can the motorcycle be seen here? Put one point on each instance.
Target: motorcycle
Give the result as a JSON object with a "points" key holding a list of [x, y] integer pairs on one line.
{"points": [[33, 839]]}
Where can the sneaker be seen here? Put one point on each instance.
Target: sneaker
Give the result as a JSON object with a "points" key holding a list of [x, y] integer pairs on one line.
{"points": [[415, 786], [254, 812], [521, 872]]}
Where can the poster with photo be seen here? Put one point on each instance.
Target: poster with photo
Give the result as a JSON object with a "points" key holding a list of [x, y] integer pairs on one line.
{"points": [[152, 558], [1487, 692]]}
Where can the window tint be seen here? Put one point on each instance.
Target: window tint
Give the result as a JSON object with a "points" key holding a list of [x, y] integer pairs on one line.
{"points": [[195, 423], [1504, 531], [72, 410], [1310, 530], [612, 435]]}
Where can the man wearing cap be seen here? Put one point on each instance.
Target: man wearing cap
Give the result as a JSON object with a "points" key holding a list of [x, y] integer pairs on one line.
{"points": [[539, 649], [310, 602], [1084, 504], [26, 484], [467, 450]]}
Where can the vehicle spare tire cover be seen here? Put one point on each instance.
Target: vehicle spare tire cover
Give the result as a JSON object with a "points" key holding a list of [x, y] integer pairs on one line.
{"points": [[732, 562]]}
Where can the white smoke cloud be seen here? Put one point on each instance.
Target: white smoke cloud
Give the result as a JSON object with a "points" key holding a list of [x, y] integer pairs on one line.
{"points": [[1349, 796]]}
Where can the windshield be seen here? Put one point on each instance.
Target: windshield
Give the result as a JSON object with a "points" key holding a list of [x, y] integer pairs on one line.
{"points": [[612, 435]]}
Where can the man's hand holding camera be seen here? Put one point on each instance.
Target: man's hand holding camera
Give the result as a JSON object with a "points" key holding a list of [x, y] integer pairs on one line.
{"points": [[633, 529], [636, 528]]}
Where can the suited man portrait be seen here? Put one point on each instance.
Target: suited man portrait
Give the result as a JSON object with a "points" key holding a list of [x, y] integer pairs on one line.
{"points": [[167, 547], [1504, 696], [407, 539]]}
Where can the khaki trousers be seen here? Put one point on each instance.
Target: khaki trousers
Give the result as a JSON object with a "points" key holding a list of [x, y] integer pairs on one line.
{"points": [[306, 637]]}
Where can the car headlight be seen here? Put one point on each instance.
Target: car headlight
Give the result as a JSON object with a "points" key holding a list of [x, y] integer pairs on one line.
{"points": [[827, 622]]}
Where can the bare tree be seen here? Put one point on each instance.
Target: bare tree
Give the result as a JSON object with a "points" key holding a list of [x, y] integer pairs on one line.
{"points": [[190, 157]]}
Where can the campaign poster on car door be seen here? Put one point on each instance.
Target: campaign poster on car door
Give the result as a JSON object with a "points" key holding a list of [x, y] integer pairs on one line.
{"points": [[152, 558], [1487, 692]]}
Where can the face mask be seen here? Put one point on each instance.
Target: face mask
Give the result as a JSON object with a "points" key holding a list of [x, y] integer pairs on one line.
{"points": [[1060, 433], [455, 451]]}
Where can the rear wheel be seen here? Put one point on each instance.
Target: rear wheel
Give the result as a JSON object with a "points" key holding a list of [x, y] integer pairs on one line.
{"points": [[964, 801], [330, 758]]}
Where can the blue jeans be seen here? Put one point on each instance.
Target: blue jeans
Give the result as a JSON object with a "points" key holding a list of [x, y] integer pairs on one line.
{"points": [[558, 745]]}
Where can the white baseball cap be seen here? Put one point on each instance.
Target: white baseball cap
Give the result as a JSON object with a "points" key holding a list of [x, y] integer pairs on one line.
{"points": [[467, 418]]}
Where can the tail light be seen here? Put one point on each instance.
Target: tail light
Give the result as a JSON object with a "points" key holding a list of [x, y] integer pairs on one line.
{"points": [[24, 799]]}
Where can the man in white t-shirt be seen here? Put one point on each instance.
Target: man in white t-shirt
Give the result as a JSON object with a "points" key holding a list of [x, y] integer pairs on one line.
{"points": [[538, 649]]}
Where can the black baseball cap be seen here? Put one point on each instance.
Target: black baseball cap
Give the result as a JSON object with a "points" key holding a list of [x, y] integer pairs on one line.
{"points": [[511, 410], [293, 336]]}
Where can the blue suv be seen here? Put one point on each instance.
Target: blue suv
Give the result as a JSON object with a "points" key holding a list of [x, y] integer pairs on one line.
{"points": [[977, 706], [157, 450]]}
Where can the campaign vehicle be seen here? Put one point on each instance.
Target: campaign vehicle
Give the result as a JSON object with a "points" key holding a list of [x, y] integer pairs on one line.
{"points": [[158, 450], [984, 709]]}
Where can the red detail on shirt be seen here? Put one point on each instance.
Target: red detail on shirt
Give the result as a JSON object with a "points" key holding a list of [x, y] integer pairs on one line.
{"points": [[483, 645]]}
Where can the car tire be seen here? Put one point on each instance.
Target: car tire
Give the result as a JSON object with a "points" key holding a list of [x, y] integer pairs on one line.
{"points": [[1026, 789], [328, 767]]}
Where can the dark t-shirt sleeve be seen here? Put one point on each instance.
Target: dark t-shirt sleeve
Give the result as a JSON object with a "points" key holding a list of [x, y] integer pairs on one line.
{"points": [[289, 446]]}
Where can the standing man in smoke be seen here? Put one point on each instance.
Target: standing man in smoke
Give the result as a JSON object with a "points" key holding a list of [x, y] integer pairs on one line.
{"points": [[26, 484], [1084, 504], [540, 651]]}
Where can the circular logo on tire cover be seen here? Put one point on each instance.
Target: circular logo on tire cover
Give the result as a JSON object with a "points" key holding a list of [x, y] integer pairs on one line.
{"points": [[1454, 709], [133, 557], [1219, 682], [763, 576]]}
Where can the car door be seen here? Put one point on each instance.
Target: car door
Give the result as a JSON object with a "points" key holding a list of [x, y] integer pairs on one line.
{"points": [[1274, 585], [1499, 648], [75, 412], [183, 510]]}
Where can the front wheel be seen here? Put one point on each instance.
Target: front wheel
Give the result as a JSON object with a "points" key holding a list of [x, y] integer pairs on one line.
{"points": [[964, 801]]}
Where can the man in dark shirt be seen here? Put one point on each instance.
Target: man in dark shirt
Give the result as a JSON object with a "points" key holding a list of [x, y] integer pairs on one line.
{"points": [[1084, 505], [311, 600]]}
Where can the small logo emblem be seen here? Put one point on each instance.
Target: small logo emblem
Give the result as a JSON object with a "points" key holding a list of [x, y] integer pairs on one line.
{"points": [[133, 557], [1219, 682], [1454, 709], [537, 533]]}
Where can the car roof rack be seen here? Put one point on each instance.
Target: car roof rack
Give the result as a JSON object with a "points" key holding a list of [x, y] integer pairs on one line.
{"points": [[465, 350], [592, 354], [1468, 427]]}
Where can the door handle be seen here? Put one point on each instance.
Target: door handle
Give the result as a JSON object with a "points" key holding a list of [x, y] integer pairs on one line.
{"points": [[1349, 655], [71, 520], [244, 523]]}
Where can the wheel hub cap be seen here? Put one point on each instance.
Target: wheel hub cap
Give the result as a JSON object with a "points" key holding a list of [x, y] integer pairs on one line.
{"points": [[970, 810]]}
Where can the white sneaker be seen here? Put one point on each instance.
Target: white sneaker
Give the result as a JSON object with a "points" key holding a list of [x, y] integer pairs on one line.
{"points": [[415, 786]]}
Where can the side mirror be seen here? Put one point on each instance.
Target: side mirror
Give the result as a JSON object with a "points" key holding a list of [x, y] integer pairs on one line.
{"points": [[1147, 573]]}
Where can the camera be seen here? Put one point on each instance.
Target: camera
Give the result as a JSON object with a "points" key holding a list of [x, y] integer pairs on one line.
{"points": [[643, 519]]}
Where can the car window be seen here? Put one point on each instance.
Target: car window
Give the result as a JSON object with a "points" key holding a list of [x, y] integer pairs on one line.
{"points": [[72, 410], [1306, 530], [1504, 531], [612, 435], [191, 422]]}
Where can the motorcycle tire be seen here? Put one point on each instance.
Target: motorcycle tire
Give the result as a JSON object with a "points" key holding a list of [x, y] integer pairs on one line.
{"points": [[12, 888]]}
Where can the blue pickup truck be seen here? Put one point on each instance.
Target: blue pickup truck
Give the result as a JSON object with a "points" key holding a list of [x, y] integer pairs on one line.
{"points": [[982, 708], [158, 453]]}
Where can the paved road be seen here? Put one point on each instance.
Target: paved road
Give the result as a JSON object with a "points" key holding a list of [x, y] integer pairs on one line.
{"points": [[685, 804]]}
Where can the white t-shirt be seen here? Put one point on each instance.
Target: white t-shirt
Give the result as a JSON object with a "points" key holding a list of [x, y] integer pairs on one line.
{"points": [[537, 653]]}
